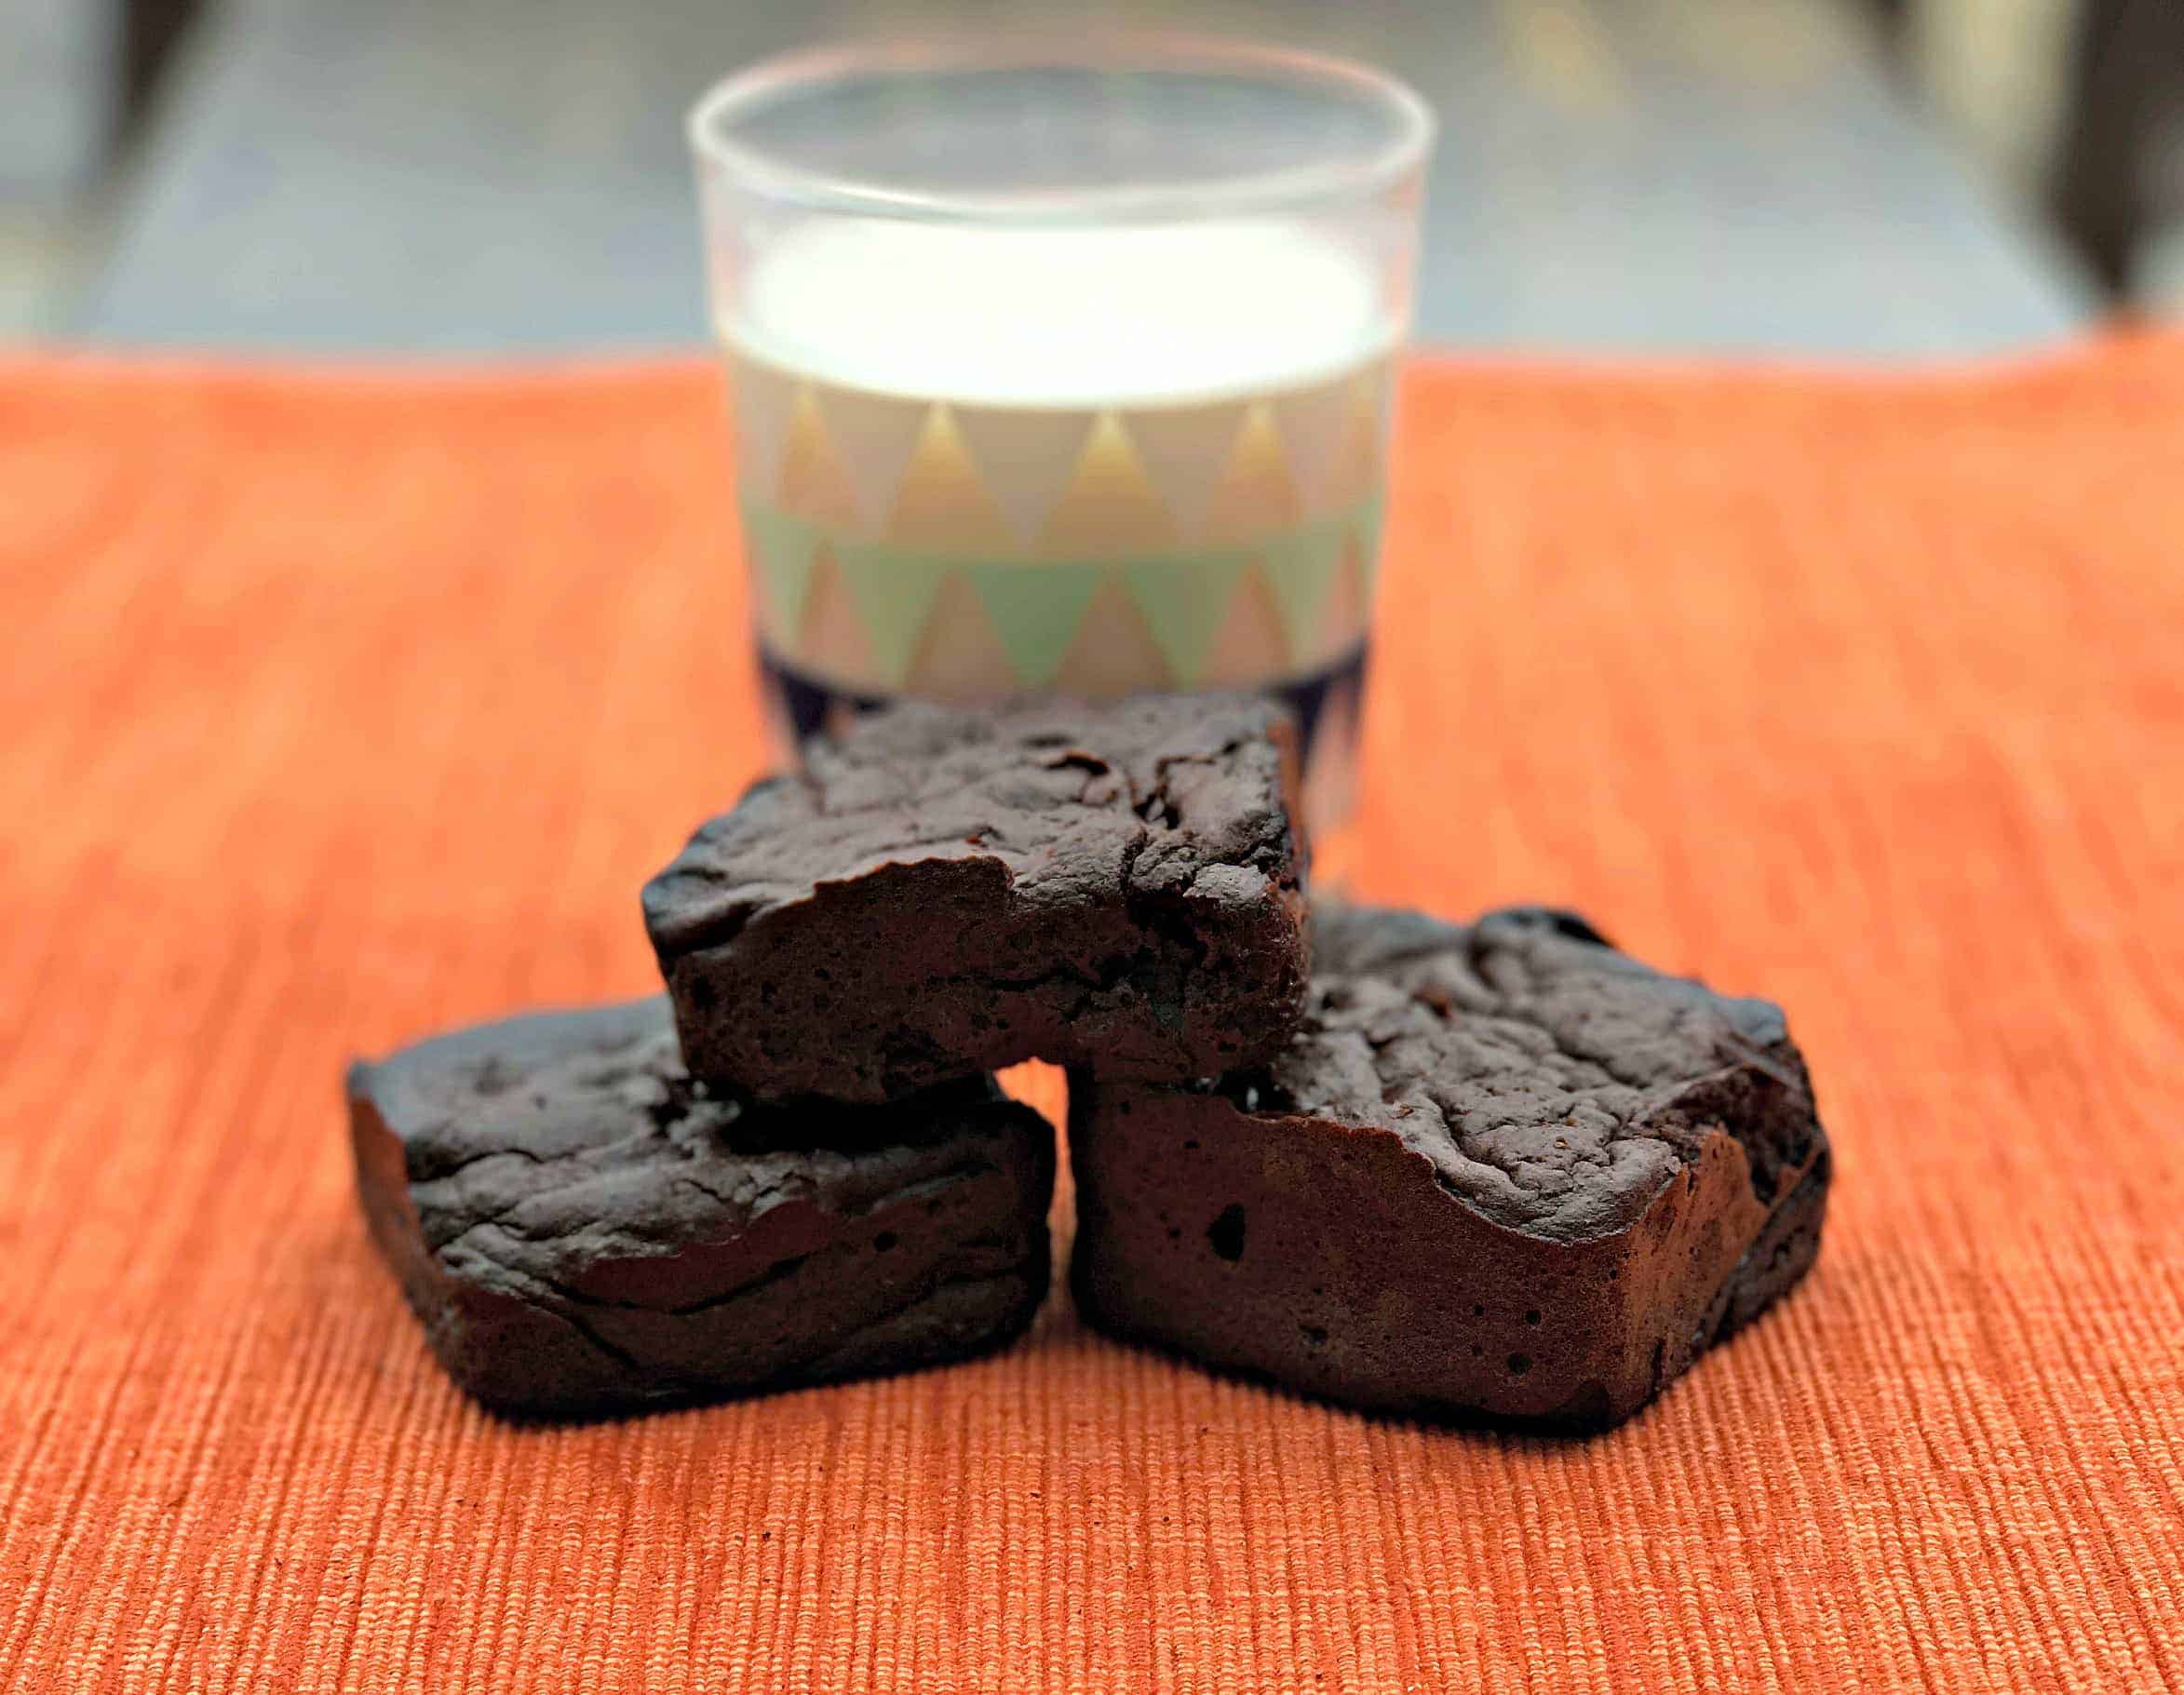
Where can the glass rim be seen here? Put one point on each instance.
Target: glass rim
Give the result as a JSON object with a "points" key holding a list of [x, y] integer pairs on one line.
{"points": [[1359, 174]]}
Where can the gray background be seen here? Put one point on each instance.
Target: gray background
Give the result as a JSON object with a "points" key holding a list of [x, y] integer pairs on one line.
{"points": [[495, 177]]}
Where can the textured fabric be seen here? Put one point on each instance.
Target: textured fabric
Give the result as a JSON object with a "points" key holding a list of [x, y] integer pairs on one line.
{"points": [[340, 708]]}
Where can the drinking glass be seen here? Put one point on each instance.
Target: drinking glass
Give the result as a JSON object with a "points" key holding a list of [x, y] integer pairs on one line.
{"points": [[1062, 367]]}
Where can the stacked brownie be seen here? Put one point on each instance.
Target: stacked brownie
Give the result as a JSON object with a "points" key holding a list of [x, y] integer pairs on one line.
{"points": [[1499, 1171]]}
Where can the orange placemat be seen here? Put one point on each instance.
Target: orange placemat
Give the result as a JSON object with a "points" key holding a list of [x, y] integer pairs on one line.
{"points": [[338, 708]]}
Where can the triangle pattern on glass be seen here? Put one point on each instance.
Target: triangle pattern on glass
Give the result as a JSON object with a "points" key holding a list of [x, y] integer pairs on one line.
{"points": [[1313, 422], [812, 483], [1249, 646], [873, 437], [941, 501], [1256, 493], [1342, 620], [1364, 531], [779, 550], [1036, 610], [894, 592], [1106, 506], [760, 401], [1024, 457], [1113, 652], [959, 658], [1298, 568], [1183, 450], [833, 643], [1182, 599], [1357, 472]]}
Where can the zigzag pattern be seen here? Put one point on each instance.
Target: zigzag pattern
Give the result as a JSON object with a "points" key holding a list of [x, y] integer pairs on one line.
{"points": [[966, 552]]}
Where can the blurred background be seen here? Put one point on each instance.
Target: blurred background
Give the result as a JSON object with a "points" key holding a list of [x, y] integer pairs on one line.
{"points": [[1894, 179]]}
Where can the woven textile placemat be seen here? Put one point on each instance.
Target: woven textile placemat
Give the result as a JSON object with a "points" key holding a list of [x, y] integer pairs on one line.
{"points": [[339, 708]]}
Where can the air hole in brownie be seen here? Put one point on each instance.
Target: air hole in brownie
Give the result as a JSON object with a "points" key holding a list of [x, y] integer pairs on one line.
{"points": [[821, 973], [884, 1241], [702, 995], [1532, 1317], [1520, 1364], [1225, 1234], [1476, 1350], [1191, 1145], [1175, 1233], [1314, 1335], [1477, 1310]]}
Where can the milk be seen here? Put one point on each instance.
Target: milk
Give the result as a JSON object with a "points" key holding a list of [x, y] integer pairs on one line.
{"points": [[1051, 317]]}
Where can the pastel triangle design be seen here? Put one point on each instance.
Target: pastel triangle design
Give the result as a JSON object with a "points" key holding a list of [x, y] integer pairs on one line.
{"points": [[942, 501], [1298, 569], [873, 438], [1249, 645], [1036, 610], [779, 548], [1183, 450], [894, 592], [1357, 472], [1108, 507], [1256, 493], [1342, 619], [834, 643], [1184, 598], [812, 483], [1311, 423], [1024, 458], [960, 657], [1366, 529], [1113, 652], [760, 401]]}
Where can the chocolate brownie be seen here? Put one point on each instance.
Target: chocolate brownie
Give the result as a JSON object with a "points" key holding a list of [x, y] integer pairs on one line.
{"points": [[583, 1228], [1502, 1173], [943, 893]]}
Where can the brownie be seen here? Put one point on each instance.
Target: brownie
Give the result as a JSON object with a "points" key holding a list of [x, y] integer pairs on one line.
{"points": [[1503, 1173], [943, 893], [583, 1228]]}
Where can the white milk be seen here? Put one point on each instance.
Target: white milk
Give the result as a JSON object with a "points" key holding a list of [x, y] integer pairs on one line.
{"points": [[1061, 317]]}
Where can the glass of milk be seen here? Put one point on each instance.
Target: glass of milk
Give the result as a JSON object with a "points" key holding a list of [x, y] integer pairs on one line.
{"points": [[1062, 368]]}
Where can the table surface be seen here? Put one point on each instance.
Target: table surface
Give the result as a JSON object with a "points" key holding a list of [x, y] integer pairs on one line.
{"points": [[463, 176], [345, 708]]}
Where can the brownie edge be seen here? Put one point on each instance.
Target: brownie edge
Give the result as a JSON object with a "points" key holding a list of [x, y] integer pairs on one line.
{"points": [[583, 1230]]}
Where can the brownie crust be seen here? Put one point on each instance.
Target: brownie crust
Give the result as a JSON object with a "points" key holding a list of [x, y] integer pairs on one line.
{"points": [[941, 892], [584, 1229], [1504, 1174]]}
